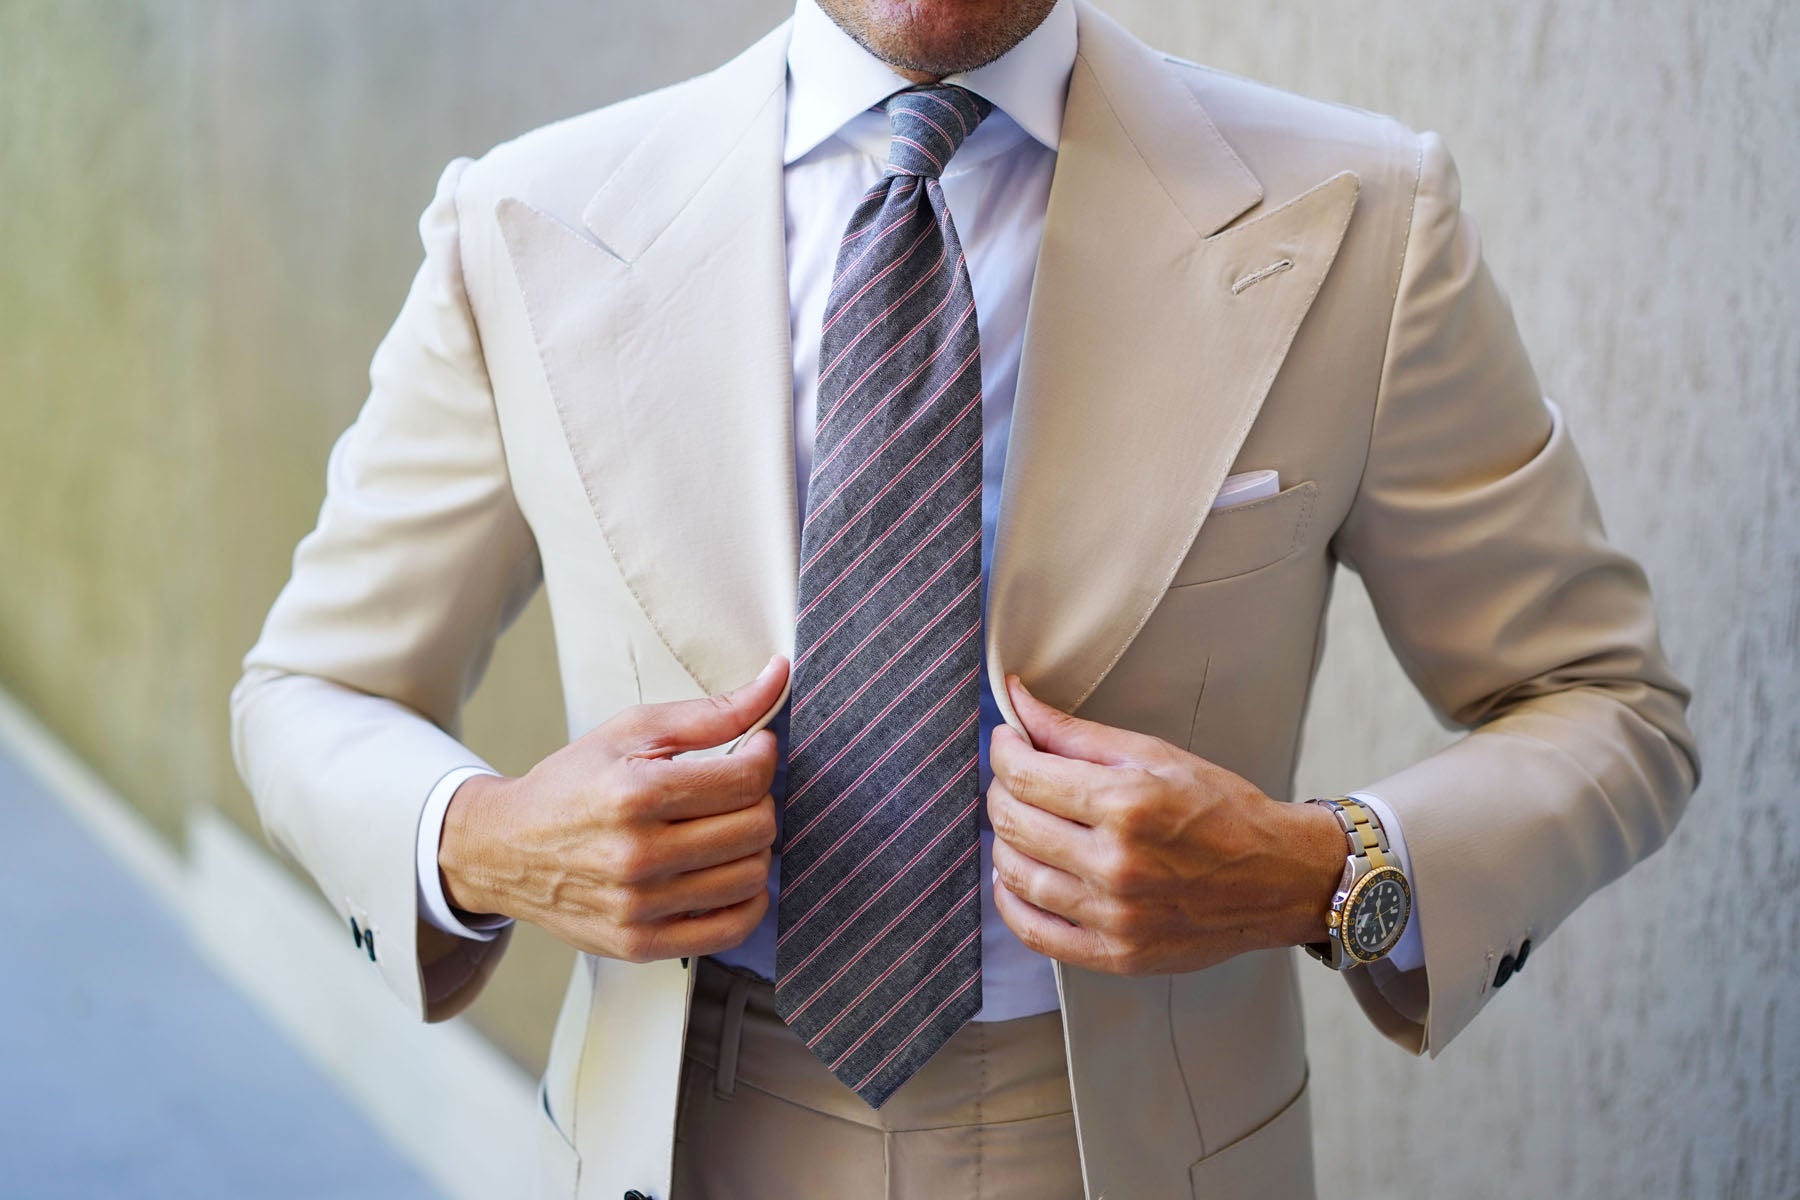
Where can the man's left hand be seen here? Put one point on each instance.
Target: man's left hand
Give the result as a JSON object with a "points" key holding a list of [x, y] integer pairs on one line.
{"points": [[1119, 852]]}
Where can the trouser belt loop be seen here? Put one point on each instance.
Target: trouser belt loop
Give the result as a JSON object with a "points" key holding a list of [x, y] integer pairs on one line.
{"points": [[731, 1031]]}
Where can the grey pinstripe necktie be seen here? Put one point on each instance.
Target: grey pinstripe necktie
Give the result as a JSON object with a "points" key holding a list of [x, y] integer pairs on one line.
{"points": [[878, 957]]}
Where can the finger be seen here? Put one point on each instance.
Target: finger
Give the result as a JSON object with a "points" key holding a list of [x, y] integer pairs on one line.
{"points": [[1069, 787], [1042, 886], [684, 936], [1046, 933], [665, 730], [1042, 835], [1060, 733], [707, 841], [684, 788], [718, 886]]}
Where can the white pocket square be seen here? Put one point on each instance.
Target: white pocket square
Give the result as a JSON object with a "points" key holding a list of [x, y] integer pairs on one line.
{"points": [[1242, 489]]}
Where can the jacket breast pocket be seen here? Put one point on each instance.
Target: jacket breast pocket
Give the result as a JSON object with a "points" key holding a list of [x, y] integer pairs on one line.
{"points": [[1247, 537]]}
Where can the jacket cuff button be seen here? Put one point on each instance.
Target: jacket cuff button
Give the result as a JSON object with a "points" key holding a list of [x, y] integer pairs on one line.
{"points": [[1519, 958], [356, 933], [1504, 971]]}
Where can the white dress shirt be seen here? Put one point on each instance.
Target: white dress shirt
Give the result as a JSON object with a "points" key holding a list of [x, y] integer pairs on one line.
{"points": [[997, 186]]}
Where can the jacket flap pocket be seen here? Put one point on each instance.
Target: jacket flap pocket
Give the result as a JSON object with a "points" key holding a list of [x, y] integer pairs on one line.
{"points": [[1271, 1162], [1245, 537]]}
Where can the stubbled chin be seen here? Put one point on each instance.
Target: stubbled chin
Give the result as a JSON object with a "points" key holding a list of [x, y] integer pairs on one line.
{"points": [[937, 36], [937, 53]]}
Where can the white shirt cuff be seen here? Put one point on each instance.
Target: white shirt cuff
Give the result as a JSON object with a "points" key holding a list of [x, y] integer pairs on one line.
{"points": [[1408, 953], [434, 906]]}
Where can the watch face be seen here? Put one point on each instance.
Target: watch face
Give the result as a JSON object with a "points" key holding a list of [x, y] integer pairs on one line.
{"points": [[1376, 913]]}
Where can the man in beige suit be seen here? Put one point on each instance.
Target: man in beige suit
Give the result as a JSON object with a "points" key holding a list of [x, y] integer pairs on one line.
{"points": [[1220, 291]]}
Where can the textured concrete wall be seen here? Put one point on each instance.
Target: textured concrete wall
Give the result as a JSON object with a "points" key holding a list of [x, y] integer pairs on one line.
{"points": [[208, 216], [106, 486], [206, 213]]}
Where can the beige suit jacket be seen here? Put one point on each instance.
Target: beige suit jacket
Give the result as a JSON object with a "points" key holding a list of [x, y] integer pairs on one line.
{"points": [[589, 386]]}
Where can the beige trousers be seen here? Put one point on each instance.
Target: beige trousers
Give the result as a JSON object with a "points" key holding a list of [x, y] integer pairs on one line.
{"points": [[988, 1118]]}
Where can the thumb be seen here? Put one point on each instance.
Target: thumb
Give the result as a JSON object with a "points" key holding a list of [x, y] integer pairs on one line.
{"points": [[665, 730], [1057, 732]]}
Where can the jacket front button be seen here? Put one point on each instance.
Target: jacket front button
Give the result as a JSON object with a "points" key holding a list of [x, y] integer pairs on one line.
{"points": [[634, 1194]]}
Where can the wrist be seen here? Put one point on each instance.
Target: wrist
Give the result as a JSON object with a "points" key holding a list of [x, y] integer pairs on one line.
{"points": [[465, 859], [1315, 844]]}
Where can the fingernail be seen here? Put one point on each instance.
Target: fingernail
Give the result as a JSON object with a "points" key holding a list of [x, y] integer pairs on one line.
{"points": [[996, 874], [768, 668]]}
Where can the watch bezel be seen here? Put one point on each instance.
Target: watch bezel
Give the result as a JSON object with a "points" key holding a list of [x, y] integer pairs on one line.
{"points": [[1346, 913]]}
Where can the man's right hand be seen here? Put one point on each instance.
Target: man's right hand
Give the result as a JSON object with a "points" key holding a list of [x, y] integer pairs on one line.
{"points": [[617, 847]]}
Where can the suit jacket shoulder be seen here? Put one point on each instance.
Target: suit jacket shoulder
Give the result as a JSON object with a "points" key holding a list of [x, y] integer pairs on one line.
{"points": [[1290, 141], [558, 166]]}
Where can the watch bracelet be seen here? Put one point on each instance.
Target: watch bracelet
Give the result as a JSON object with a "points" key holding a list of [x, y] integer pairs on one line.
{"points": [[1366, 839]]}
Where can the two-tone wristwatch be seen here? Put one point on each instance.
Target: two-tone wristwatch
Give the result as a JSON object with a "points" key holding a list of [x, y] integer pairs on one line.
{"points": [[1373, 901]]}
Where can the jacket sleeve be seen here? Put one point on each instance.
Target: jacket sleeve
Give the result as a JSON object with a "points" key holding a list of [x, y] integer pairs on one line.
{"points": [[348, 709], [1477, 536]]}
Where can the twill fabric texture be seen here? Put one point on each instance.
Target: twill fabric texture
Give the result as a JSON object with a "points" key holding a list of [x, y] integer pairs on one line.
{"points": [[878, 951]]}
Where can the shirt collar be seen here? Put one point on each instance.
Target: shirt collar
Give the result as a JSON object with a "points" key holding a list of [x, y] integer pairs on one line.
{"points": [[832, 79]]}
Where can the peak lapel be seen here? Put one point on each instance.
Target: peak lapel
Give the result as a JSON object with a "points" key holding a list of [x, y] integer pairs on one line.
{"points": [[1142, 368], [665, 347]]}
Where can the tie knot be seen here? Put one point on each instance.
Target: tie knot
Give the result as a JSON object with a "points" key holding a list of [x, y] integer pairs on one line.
{"points": [[929, 123]]}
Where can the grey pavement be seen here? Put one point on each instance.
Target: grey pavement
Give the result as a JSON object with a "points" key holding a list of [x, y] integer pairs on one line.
{"points": [[128, 1068]]}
